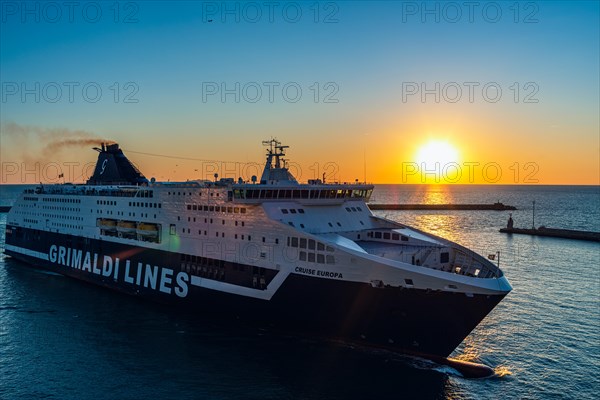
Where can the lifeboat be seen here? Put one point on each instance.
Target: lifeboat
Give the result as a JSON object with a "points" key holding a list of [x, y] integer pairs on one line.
{"points": [[107, 224], [147, 229], [126, 226]]}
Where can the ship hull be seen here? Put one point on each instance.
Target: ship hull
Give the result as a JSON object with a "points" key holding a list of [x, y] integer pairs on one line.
{"points": [[429, 323]]}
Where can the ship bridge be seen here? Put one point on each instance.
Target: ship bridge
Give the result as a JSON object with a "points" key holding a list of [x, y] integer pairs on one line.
{"points": [[278, 183]]}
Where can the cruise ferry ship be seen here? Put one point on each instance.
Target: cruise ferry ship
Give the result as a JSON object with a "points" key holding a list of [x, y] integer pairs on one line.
{"points": [[302, 257]]}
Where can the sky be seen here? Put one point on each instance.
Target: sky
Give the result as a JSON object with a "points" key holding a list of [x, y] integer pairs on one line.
{"points": [[387, 92]]}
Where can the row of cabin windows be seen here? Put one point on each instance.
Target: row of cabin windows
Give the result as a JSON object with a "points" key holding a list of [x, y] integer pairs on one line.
{"points": [[301, 193], [142, 204], [61, 216], [26, 205], [318, 258], [59, 200], [183, 193], [106, 202], [26, 198], [353, 209], [118, 193], [30, 221], [310, 244], [144, 193], [26, 212], [223, 209], [212, 194], [209, 220], [387, 236], [292, 211], [122, 213], [74, 209], [217, 234], [67, 226], [202, 260], [205, 233]]}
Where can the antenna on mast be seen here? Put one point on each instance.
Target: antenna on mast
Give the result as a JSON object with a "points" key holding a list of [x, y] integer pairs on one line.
{"points": [[365, 163]]}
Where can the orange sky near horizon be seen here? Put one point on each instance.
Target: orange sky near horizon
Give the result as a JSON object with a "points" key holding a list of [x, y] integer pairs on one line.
{"points": [[391, 159]]}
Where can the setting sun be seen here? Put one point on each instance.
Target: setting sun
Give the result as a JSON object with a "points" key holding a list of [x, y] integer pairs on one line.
{"points": [[434, 157], [436, 151]]}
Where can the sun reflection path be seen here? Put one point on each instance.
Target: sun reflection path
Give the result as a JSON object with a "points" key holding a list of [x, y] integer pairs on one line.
{"points": [[437, 194]]}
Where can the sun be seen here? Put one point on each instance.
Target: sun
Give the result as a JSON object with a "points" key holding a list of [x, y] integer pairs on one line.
{"points": [[436, 156]]}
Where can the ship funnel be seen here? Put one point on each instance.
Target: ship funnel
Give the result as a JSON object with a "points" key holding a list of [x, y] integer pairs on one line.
{"points": [[113, 168]]}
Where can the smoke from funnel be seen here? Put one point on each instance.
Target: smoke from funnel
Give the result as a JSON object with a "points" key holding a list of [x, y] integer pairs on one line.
{"points": [[37, 144]]}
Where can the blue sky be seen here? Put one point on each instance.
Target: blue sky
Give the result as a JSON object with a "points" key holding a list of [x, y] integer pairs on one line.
{"points": [[169, 50]]}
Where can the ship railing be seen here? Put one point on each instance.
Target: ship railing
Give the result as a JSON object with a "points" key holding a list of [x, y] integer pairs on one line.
{"points": [[116, 191]]}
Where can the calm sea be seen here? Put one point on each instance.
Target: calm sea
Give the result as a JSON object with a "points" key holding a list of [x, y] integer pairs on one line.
{"points": [[62, 339]]}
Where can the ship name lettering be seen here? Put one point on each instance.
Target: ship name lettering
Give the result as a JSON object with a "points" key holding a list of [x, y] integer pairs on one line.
{"points": [[153, 277], [325, 274]]}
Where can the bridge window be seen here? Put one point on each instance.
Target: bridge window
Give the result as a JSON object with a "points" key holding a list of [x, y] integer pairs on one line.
{"points": [[444, 257]]}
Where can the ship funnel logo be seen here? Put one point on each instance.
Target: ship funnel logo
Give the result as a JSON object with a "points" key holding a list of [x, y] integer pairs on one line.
{"points": [[103, 166]]}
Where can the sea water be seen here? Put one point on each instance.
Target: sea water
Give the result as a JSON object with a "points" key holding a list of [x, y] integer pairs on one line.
{"points": [[64, 339]]}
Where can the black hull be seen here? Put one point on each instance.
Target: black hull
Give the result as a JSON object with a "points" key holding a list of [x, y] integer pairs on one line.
{"points": [[407, 320]]}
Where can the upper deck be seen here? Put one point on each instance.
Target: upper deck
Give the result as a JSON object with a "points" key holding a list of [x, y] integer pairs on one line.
{"points": [[276, 183]]}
